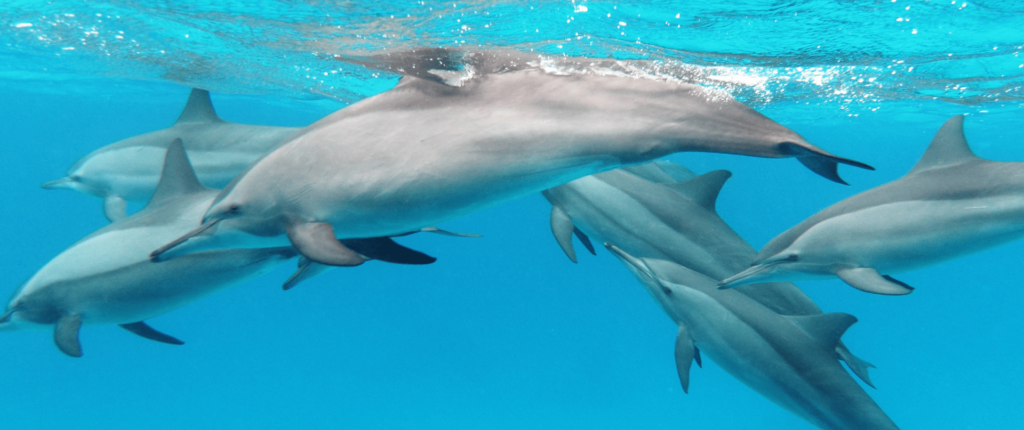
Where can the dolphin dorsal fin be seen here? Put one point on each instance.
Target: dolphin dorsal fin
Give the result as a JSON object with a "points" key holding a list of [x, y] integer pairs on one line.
{"points": [[826, 329], [199, 108], [177, 177], [948, 147], [703, 189]]}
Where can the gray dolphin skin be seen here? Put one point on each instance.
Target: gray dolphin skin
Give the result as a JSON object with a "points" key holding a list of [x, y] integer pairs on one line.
{"points": [[663, 210], [108, 278], [425, 152], [128, 170], [951, 204], [790, 360]]}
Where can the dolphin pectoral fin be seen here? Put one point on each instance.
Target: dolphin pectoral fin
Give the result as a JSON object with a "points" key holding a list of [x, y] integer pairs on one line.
{"points": [[65, 335], [685, 354], [869, 280], [142, 329], [821, 162], [826, 329], [584, 240], [115, 208], [442, 232], [316, 241], [562, 228], [858, 366], [306, 270], [387, 250]]}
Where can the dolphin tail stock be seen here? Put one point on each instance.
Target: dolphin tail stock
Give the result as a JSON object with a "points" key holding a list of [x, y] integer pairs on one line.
{"points": [[306, 270], [821, 162], [142, 329], [869, 280], [563, 229], [65, 335]]}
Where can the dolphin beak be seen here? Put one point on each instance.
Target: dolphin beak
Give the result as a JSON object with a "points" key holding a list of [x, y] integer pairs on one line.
{"points": [[156, 255], [749, 276], [630, 260], [62, 183]]}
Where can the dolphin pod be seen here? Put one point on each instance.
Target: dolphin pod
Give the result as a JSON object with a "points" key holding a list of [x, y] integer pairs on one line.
{"points": [[662, 210], [128, 170], [425, 152], [951, 203], [790, 360]]}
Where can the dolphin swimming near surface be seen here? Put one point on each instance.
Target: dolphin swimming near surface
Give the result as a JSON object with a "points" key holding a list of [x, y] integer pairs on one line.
{"points": [[663, 210], [789, 360], [108, 278], [128, 170], [425, 152], [951, 204]]}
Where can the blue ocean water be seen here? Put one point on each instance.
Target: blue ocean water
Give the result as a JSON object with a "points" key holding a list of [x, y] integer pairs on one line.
{"points": [[503, 331]]}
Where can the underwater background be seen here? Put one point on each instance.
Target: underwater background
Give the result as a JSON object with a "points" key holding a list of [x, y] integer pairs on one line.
{"points": [[504, 332]]}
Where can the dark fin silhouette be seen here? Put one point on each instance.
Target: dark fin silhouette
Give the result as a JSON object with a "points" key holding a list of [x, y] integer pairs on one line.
{"points": [[703, 189], [826, 329], [316, 241], [142, 329], [949, 147], [155, 255], [306, 270], [584, 240], [199, 108], [685, 352], [65, 335], [115, 208], [858, 366], [562, 228], [822, 163], [869, 280], [696, 357], [387, 250], [177, 177]]}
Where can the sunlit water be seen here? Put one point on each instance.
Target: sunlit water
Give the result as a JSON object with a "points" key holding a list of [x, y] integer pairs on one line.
{"points": [[503, 331]]}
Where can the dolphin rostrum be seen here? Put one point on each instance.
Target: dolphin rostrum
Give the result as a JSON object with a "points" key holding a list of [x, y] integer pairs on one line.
{"points": [[128, 170], [951, 204], [108, 278], [424, 152], [790, 360], [662, 210]]}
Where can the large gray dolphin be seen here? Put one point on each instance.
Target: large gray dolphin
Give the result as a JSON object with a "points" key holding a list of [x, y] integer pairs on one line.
{"points": [[790, 360], [662, 210], [424, 152], [952, 203], [128, 170]]}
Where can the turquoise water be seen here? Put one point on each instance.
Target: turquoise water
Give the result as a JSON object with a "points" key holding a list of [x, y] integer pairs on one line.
{"points": [[503, 331]]}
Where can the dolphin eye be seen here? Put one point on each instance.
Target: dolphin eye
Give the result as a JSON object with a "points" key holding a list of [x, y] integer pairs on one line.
{"points": [[234, 209], [666, 290], [793, 257]]}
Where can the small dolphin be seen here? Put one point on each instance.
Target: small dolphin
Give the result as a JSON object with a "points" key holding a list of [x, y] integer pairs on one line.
{"points": [[789, 360], [424, 153], [128, 170], [664, 211], [951, 204]]}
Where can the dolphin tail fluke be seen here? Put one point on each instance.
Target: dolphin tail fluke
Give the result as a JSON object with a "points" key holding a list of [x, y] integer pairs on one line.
{"points": [[306, 270], [115, 208], [562, 228], [386, 250], [869, 280], [142, 329], [316, 241], [858, 366], [686, 353], [65, 335], [821, 162]]}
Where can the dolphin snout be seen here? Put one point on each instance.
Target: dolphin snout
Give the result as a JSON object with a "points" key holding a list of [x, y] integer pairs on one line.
{"points": [[62, 183], [752, 275]]}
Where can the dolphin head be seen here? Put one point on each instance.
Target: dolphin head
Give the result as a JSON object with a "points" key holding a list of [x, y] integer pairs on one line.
{"points": [[78, 181], [780, 267], [663, 292]]}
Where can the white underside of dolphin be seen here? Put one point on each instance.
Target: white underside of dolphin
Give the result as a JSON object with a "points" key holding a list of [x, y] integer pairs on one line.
{"points": [[128, 170], [424, 153], [951, 204]]}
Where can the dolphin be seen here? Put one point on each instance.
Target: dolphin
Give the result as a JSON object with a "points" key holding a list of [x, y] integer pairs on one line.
{"points": [[128, 170], [789, 360], [663, 210], [108, 278], [951, 204], [424, 152]]}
